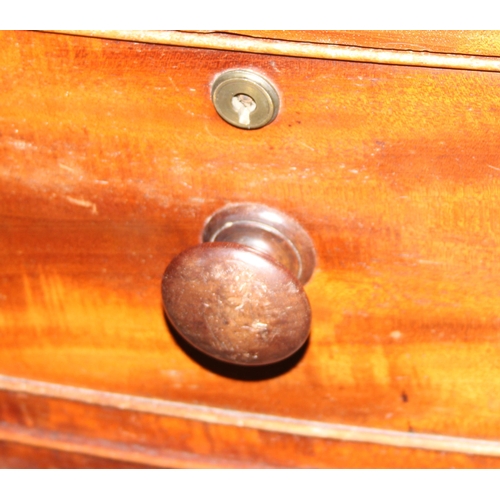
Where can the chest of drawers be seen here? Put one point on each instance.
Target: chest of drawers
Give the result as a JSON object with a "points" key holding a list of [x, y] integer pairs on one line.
{"points": [[112, 156]]}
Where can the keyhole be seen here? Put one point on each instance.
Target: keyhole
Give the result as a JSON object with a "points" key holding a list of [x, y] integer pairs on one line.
{"points": [[244, 105]]}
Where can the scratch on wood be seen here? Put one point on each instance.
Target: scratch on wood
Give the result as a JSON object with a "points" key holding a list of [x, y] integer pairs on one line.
{"points": [[273, 64], [65, 167], [83, 203], [22, 145], [307, 146], [210, 133], [173, 84]]}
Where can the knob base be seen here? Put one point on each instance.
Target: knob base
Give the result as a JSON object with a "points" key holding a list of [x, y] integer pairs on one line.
{"points": [[265, 230]]}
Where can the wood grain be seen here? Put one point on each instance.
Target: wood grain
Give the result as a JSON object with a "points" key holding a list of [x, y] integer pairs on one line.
{"points": [[14, 455], [112, 157]]}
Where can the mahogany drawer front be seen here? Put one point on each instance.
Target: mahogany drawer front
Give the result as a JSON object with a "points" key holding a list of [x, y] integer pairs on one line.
{"points": [[113, 156]]}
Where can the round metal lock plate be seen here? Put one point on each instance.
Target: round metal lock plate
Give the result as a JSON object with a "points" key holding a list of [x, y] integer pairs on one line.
{"points": [[245, 99]]}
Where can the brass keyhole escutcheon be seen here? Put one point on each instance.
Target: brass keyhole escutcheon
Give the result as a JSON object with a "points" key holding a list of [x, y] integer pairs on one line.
{"points": [[245, 99]]}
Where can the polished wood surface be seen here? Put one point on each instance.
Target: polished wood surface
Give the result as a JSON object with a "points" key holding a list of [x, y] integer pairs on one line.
{"points": [[112, 152]]}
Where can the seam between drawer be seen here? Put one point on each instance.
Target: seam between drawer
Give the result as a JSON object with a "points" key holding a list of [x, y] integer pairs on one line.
{"points": [[296, 49], [258, 421]]}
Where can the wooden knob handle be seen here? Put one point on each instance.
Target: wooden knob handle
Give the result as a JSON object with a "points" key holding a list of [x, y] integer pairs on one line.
{"points": [[238, 302]]}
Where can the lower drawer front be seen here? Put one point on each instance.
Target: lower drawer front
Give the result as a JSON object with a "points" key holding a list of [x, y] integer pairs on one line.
{"points": [[112, 157]]}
